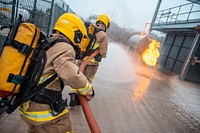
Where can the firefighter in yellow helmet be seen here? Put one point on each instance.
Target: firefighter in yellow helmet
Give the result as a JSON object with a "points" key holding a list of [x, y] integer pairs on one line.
{"points": [[46, 112], [100, 43]]}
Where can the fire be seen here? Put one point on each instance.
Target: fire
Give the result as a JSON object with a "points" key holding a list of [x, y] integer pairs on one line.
{"points": [[151, 53]]}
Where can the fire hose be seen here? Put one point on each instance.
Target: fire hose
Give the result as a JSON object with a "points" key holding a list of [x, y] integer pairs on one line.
{"points": [[84, 103]]}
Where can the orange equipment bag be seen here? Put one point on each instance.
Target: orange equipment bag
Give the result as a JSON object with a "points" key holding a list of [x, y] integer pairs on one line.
{"points": [[21, 64], [16, 57]]}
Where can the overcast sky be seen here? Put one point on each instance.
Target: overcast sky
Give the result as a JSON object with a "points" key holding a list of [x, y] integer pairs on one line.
{"points": [[126, 13]]}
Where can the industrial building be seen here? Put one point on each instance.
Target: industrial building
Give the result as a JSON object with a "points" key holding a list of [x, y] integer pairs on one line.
{"points": [[180, 52]]}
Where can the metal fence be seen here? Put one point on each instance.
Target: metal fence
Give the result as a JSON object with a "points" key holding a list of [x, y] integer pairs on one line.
{"points": [[43, 13]]}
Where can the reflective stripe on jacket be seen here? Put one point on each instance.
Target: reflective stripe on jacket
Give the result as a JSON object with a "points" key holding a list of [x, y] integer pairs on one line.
{"points": [[40, 116], [84, 90], [42, 79]]}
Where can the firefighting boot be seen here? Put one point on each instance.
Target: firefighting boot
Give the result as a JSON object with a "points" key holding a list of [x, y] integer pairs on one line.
{"points": [[74, 100]]}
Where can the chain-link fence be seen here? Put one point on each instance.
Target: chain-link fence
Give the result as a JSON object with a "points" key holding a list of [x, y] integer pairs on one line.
{"points": [[43, 13]]}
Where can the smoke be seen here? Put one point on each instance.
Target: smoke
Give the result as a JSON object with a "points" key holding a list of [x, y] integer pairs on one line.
{"points": [[118, 66]]}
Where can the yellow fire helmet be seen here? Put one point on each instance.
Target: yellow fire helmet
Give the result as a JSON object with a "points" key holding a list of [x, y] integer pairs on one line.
{"points": [[72, 27], [105, 19]]}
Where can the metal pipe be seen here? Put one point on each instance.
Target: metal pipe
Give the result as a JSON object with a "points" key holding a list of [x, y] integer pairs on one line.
{"points": [[51, 15], [168, 15], [190, 11], [13, 11], [34, 10], [17, 7], [155, 15], [67, 8], [178, 13], [84, 103]]}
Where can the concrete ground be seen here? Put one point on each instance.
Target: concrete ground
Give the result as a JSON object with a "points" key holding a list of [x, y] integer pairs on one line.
{"points": [[131, 98]]}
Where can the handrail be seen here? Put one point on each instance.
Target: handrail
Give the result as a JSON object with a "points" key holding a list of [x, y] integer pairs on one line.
{"points": [[178, 14]]}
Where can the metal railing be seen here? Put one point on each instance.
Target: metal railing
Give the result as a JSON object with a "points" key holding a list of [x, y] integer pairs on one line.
{"points": [[185, 13]]}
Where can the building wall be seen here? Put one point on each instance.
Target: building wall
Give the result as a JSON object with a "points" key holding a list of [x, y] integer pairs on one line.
{"points": [[174, 53], [2, 39]]}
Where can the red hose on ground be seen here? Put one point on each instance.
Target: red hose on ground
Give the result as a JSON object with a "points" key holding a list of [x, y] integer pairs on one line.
{"points": [[84, 103]]}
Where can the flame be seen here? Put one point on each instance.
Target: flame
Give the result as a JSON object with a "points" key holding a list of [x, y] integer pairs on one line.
{"points": [[151, 53]]}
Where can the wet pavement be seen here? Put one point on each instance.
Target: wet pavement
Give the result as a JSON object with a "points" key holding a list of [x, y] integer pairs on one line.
{"points": [[131, 98]]}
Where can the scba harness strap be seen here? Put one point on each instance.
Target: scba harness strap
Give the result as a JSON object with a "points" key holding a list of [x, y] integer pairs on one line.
{"points": [[51, 98], [21, 47]]}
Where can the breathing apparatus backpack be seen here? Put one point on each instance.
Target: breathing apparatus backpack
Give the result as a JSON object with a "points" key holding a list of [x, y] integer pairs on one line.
{"points": [[87, 46], [21, 64]]}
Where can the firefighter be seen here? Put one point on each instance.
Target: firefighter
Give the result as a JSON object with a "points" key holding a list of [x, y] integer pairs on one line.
{"points": [[101, 43], [46, 112]]}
